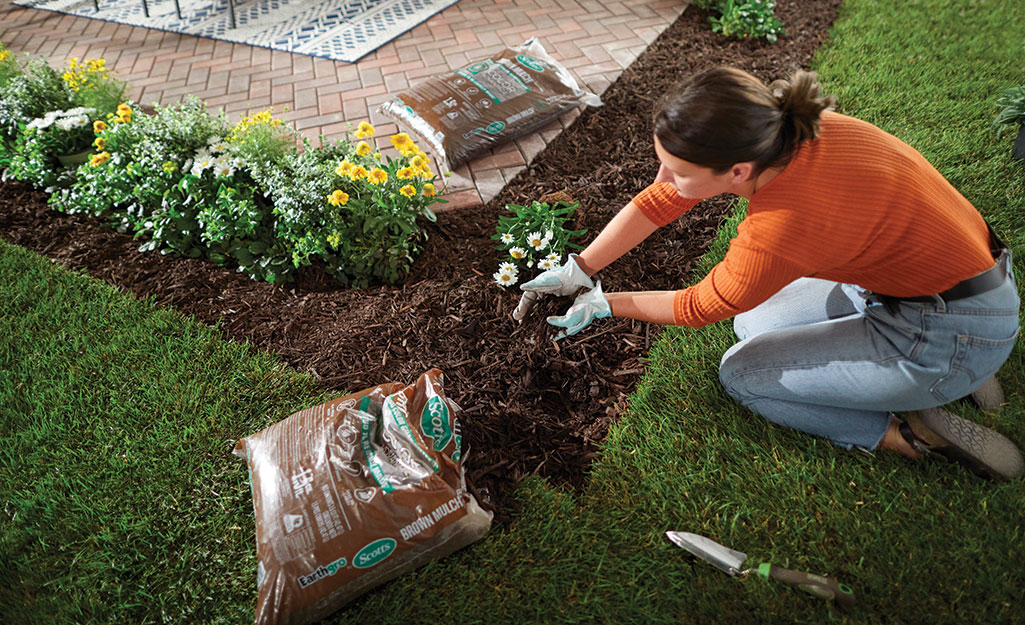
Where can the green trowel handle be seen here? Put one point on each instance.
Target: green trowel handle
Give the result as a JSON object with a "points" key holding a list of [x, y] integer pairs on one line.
{"points": [[823, 587]]}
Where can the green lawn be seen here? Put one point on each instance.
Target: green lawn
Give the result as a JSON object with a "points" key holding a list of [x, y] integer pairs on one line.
{"points": [[122, 504]]}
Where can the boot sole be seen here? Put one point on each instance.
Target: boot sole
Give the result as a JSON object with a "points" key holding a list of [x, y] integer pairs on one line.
{"points": [[982, 450]]}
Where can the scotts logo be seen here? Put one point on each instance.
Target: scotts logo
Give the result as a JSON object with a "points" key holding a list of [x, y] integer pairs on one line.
{"points": [[374, 553], [434, 422], [530, 62]]}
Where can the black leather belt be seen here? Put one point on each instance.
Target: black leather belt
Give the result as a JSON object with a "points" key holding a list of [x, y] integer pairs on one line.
{"points": [[976, 285]]}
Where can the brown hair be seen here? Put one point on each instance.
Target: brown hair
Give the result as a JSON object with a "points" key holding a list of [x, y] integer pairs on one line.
{"points": [[724, 116]]}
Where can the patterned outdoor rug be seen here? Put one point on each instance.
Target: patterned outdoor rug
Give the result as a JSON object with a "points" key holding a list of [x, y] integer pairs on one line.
{"points": [[342, 30]]}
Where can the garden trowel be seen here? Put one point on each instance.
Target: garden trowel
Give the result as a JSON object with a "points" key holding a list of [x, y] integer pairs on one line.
{"points": [[731, 562]]}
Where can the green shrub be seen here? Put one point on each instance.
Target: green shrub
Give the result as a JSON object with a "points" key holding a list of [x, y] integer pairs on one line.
{"points": [[44, 114], [353, 210], [748, 18], [34, 158]]}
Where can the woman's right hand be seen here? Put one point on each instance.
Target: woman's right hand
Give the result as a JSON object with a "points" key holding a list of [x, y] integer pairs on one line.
{"points": [[565, 280]]}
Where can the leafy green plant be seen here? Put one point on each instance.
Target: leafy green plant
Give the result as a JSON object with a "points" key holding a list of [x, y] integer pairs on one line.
{"points": [[748, 18], [1011, 103], [37, 149], [134, 179], [353, 210], [535, 236]]}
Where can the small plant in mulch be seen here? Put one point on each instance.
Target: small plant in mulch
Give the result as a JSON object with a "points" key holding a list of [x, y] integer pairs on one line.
{"points": [[534, 237], [744, 19]]}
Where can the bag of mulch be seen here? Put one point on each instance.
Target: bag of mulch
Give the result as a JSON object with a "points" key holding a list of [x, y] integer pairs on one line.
{"points": [[354, 492], [489, 102]]}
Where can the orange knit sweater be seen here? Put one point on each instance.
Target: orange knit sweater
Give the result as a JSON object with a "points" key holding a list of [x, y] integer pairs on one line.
{"points": [[854, 205]]}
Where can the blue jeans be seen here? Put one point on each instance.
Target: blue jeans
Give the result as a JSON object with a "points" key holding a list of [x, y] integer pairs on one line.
{"points": [[830, 359]]}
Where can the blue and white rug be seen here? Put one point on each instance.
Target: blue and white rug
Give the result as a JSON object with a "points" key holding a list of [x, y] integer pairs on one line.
{"points": [[342, 30]]}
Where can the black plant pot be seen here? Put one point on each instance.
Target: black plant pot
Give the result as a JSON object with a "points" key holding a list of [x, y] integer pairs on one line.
{"points": [[1019, 144]]}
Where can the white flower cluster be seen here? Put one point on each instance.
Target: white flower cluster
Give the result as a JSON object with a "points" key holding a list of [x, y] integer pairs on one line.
{"points": [[213, 156], [65, 120], [508, 274]]}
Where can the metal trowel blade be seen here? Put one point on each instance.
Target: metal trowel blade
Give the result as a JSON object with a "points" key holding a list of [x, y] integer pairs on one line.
{"points": [[722, 558]]}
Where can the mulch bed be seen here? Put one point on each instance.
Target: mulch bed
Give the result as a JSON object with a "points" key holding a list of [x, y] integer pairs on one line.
{"points": [[531, 406]]}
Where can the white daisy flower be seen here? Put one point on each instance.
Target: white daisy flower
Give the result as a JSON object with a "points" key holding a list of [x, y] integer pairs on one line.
{"points": [[225, 171], [504, 279], [65, 123], [554, 258], [507, 238], [508, 268], [535, 241], [217, 144], [518, 252], [200, 165], [530, 264], [549, 235], [545, 264]]}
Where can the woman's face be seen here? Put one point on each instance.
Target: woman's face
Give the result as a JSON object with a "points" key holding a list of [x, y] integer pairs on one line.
{"points": [[692, 181]]}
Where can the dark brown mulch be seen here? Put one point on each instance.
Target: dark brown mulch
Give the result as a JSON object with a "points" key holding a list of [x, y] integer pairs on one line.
{"points": [[531, 406]]}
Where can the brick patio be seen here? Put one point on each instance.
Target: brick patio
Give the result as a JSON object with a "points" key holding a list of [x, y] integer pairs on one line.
{"points": [[595, 39]]}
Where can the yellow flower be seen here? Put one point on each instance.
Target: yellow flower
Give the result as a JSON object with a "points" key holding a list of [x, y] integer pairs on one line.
{"points": [[338, 198], [364, 130], [429, 190], [377, 155], [99, 159], [404, 174], [99, 126], [169, 167], [334, 239], [402, 143], [358, 172], [408, 190], [100, 143], [418, 162], [124, 117], [121, 108], [4, 55], [378, 176], [343, 168], [363, 148]]}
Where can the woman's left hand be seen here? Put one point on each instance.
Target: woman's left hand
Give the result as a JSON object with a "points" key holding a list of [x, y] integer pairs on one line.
{"points": [[585, 309]]}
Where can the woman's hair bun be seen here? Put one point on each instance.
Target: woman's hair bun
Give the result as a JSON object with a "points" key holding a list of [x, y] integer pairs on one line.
{"points": [[801, 103]]}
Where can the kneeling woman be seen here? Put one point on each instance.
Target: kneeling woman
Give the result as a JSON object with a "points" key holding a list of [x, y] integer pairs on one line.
{"points": [[861, 282]]}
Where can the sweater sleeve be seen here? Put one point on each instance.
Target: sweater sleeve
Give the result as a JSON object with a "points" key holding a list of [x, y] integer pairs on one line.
{"points": [[661, 203], [745, 278]]}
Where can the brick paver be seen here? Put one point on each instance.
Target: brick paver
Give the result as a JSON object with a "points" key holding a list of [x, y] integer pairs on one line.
{"points": [[595, 39]]}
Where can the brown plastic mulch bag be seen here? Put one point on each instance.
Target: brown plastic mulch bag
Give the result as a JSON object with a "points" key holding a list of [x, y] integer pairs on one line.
{"points": [[489, 102], [354, 492]]}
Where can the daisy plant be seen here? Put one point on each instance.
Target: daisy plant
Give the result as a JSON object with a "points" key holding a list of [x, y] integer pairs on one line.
{"points": [[534, 239]]}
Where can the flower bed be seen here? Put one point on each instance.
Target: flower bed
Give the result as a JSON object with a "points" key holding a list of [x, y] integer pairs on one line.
{"points": [[254, 195]]}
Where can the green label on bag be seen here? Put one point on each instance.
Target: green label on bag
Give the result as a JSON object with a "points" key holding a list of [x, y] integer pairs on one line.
{"points": [[434, 422], [373, 553]]}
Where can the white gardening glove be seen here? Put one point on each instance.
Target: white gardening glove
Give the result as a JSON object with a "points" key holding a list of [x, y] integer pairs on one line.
{"points": [[565, 280], [585, 309]]}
